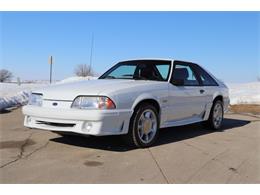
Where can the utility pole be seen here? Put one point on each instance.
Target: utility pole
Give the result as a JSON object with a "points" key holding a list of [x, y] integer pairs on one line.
{"points": [[50, 63], [91, 50]]}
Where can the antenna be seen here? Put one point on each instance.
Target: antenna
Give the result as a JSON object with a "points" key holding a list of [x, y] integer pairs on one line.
{"points": [[91, 50], [50, 63]]}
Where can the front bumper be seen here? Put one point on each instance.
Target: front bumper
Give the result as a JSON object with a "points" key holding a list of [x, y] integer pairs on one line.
{"points": [[88, 122]]}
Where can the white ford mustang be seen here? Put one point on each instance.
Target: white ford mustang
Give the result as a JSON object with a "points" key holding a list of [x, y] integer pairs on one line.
{"points": [[134, 98]]}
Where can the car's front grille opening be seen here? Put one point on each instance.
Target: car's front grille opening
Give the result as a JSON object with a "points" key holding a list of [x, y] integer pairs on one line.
{"points": [[56, 124]]}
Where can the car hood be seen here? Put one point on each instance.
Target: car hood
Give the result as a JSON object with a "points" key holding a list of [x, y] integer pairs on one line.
{"points": [[105, 87]]}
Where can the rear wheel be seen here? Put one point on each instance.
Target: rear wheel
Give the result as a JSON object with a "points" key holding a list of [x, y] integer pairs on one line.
{"points": [[143, 128], [216, 116]]}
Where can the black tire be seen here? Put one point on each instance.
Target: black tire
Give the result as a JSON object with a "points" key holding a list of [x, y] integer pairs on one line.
{"points": [[133, 137], [211, 123]]}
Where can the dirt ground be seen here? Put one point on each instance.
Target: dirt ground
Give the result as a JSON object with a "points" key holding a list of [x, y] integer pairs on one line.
{"points": [[188, 154]]}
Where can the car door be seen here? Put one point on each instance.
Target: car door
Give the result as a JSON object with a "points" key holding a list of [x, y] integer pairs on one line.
{"points": [[186, 95]]}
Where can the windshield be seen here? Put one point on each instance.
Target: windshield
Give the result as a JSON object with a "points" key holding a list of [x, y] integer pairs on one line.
{"points": [[157, 70]]}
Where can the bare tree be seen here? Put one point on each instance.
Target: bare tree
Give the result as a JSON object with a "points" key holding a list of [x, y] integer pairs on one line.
{"points": [[5, 75], [84, 70]]}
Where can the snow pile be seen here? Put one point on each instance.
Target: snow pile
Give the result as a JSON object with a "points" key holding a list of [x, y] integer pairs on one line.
{"points": [[247, 93], [12, 94], [75, 79], [20, 99]]}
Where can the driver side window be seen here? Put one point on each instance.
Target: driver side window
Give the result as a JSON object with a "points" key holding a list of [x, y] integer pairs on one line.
{"points": [[183, 75]]}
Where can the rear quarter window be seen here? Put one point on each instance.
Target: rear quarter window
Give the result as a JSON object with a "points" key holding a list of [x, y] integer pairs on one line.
{"points": [[205, 78]]}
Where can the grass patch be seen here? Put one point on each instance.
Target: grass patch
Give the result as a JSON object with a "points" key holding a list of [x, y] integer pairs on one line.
{"points": [[245, 108]]}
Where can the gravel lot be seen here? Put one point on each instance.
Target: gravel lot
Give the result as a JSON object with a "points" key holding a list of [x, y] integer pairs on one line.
{"points": [[189, 154]]}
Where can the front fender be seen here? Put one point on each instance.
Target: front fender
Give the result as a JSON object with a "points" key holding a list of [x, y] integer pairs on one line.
{"points": [[145, 96]]}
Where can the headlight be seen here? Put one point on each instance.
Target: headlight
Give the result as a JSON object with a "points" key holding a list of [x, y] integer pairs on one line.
{"points": [[88, 102], [35, 99]]}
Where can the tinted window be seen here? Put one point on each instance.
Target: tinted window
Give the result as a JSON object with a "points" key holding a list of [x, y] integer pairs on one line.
{"points": [[157, 70], [185, 73], [206, 79]]}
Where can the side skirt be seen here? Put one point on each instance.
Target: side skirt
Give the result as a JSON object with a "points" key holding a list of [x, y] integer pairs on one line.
{"points": [[182, 122], [195, 119]]}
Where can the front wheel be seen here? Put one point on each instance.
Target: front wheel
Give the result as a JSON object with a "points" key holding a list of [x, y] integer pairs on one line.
{"points": [[143, 128], [216, 116]]}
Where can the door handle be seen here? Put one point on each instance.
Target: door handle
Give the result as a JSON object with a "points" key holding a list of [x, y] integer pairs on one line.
{"points": [[202, 91]]}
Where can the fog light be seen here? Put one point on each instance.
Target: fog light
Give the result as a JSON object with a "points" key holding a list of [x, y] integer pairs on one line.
{"points": [[87, 126]]}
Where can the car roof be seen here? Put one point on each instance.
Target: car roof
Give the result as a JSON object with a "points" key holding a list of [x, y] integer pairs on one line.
{"points": [[162, 59], [135, 59]]}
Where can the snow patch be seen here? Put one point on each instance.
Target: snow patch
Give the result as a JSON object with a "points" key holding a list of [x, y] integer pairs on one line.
{"points": [[75, 79], [13, 94], [246, 93]]}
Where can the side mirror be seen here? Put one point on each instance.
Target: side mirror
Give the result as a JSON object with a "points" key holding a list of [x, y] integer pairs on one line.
{"points": [[178, 82]]}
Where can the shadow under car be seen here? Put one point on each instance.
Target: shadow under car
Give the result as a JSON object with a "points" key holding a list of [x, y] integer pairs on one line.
{"points": [[167, 135]]}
